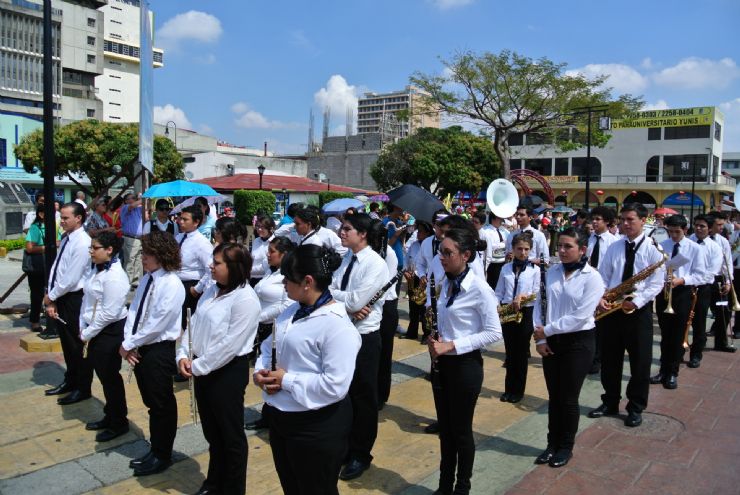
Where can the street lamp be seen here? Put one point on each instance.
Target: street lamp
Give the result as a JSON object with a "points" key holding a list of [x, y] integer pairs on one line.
{"points": [[604, 125], [285, 201], [261, 170], [167, 130]]}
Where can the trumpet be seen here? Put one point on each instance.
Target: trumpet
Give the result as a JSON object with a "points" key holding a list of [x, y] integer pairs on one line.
{"points": [[668, 291], [507, 313], [690, 319]]}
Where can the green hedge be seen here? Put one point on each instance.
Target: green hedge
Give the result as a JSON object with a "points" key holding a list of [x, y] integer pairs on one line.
{"points": [[249, 203], [328, 196], [12, 244]]}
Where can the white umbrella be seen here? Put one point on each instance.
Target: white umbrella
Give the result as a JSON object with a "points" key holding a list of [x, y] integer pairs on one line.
{"points": [[189, 202]]}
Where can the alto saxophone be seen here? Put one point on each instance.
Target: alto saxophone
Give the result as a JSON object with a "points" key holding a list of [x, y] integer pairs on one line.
{"points": [[507, 313]]}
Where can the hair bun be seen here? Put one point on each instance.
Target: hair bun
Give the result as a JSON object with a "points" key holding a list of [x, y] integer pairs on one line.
{"points": [[481, 245], [331, 260]]}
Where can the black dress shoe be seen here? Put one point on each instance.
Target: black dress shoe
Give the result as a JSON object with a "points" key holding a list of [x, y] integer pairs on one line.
{"points": [[505, 397], [603, 410], [37, 329], [671, 382], [727, 348], [60, 389], [656, 379], [352, 470], [206, 490], [260, 424], [97, 425], [633, 419], [152, 466], [432, 428], [560, 458], [48, 335], [110, 433], [424, 340], [545, 456], [513, 399], [140, 460], [694, 362], [74, 397]]}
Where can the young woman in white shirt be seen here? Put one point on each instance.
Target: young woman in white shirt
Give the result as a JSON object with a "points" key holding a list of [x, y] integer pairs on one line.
{"points": [[566, 340], [308, 228], [468, 321], [416, 311], [263, 229], [223, 332], [102, 318], [518, 279], [229, 230], [307, 407]]}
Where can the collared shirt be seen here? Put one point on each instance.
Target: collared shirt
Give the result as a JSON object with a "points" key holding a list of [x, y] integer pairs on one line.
{"points": [[161, 226], [690, 262], [324, 237], [471, 322], [498, 236], [318, 354], [259, 256], [606, 240], [426, 256], [223, 327], [735, 245], [484, 257], [439, 273], [647, 254], [712, 258], [197, 253], [73, 264], [161, 314], [272, 295], [368, 275], [571, 301], [391, 263], [104, 299], [726, 253], [287, 230], [529, 283], [538, 249], [131, 221], [412, 254]]}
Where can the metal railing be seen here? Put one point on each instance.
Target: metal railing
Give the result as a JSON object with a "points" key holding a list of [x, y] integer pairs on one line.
{"points": [[656, 179]]}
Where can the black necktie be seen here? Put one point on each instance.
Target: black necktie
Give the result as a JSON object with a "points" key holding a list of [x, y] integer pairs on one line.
{"points": [[435, 247], [59, 259], [700, 241], [500, 237], [629, 260], [675, 250], [594, 261], [141, 304], [345, 277], [184, 236]]}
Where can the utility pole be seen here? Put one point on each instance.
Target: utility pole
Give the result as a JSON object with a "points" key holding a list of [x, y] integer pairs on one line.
{"points": [[50, 224]]}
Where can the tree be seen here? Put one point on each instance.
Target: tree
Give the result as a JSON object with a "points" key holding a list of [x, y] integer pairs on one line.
{"points": [[250, 203], [509, 93], [439, 160], [328, 196], [99, 150]]}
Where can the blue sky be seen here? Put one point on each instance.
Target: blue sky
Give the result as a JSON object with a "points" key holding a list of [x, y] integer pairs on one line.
{"points": [[249, 71]]}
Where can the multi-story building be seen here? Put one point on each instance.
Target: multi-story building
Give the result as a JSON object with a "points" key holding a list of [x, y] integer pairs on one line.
{"points": [[731, 164], [397, 114], [653, 157]]}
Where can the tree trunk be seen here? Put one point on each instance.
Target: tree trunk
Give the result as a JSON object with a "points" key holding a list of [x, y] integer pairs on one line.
{"points": [[504, 157]]}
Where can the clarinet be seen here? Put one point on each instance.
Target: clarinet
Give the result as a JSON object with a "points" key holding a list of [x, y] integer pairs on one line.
{"points": [[543, 289], [433, 327], [383, 290]]}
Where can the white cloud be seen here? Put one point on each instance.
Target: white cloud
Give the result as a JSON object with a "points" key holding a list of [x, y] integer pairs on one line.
{"points": [[299, 39], [699, 73], [658, 105], [450, 4], [731, 131], [164, 114], [252, 119], [192, 25], [239, 107], [647, 63], [623, 78], [337, 95], [208, 59]]}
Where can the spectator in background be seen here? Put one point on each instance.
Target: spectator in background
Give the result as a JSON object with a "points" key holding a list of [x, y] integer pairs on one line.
{"points": [[96, 222], [113, 217], [209, 217], [162, 219], [31, 215], [374, 211], [80, 198], [132, 223], [394, 223], [37, 278]]}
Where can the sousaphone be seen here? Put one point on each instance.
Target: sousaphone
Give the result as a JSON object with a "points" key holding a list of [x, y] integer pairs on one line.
{"points": [[502, 198]]}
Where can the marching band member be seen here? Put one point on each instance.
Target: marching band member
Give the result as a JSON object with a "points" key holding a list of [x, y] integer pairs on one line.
{"points": [[721, 287], [306, 400], [286, 227], [413, 279], [223, 332], [196, 254], [228, 230], [362, 273], [735, 243], [518, 279], [523, 218], [308, 227], [689, 269], [102, 319], [468, 321], [598, 242], [484, 257], [264, 228], [712, 253], [565, 340], [498, 235], [152, 327], [430, 246], [631, 331]]}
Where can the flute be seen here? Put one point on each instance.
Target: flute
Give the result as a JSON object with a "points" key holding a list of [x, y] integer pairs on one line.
{"points": [[433, 327], [191, 385], [383, 290]]}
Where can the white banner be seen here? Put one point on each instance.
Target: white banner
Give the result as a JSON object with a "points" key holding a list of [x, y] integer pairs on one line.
{"points": [[146, 93]]}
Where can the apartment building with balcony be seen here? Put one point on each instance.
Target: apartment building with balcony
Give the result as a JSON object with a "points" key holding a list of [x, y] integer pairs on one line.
{"points": [[398, 113]]}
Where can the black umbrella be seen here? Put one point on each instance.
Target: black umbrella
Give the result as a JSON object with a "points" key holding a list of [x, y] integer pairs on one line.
{"points": [[420, 203]]}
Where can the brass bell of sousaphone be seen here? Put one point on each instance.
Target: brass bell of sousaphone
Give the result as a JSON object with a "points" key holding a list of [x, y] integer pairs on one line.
{"points": [[502, 198]]}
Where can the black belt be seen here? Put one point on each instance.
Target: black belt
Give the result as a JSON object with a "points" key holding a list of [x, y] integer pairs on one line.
{"points": [[570, 336]]}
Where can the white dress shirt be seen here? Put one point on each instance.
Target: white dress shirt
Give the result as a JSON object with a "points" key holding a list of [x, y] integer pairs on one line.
{"points": [[712, 253], [162, 311], [273, 298], [391, 262], [259, 256], [471, 322], [484, 257], [689, 263], [318, 354], [605, 240], [285, 230], [161, 226], [571, 301], [612, 266], [498, 236], [324, 237], [412, 253], [439, 273], [369, 274], [197, 253], [73, 259], [425, 257], [529, 283], [104, 299], [539, 247], [223, 327], [735, 245], [726, 254]]}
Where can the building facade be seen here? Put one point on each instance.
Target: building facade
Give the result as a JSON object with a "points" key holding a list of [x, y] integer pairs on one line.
{"points": [[347, 160], [395, 114]]}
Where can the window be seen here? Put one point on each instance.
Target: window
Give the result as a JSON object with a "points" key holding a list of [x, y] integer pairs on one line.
{"points": [[654, 133], [542, 166], [91, 59], [579, 168], [680, 168], [515, 163], [561, 166], [516, 139], [90, 22], [3, 152], [687, 132], [90, 113], [535, 138], [91, 40], [718, 131], [652, 169]]}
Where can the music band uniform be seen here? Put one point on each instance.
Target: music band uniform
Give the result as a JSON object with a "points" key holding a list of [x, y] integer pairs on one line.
{"points": [[595, 255], [712, 254], [722, 312], [388, 326], [196, 253], [416, 311], [498, 236], [539, 246]]}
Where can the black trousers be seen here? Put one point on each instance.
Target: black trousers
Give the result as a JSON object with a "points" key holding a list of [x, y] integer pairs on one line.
{"points": [[565, 371], [190, 301], [416, 316], [722, 316], [388, 326], [736, 285], [102, 352], [154, 377], [632, 333], [308, 447], [492, 274], [363, 393], [79, 372], [456, 391], [672, 327], [699, 325], [36, 285], [517, 337], [264, 330], [220, 398], [598, 332]]}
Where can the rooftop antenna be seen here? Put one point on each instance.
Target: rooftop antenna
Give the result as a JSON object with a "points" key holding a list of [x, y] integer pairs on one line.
{"points": [[327, 118], [310, 131], [350, 121]]}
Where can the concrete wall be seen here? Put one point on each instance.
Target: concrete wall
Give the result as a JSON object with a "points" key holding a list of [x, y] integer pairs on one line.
{"points": [[213, 164], [12, 129]]}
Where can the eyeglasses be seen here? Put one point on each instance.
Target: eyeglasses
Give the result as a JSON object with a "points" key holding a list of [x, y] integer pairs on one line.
{"points": [[447, 253], [347, 228], [93, 248]]}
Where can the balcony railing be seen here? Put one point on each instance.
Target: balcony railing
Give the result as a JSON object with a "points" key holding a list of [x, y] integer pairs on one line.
{"points": [[655, 179]]}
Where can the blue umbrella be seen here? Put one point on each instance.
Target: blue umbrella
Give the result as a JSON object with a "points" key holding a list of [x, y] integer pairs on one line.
{"points": [[340, 205], [179, 188]]}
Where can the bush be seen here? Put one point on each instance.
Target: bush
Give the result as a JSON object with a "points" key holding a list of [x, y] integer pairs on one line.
{"points": [[248, 203], [12, 244], [328, 196]]}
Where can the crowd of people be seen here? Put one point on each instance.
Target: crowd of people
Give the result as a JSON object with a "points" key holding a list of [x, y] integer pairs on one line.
{"points": [[313, 305]]}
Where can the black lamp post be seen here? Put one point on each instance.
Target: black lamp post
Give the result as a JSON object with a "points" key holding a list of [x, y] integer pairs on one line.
{"points": [[167, 130], [261, 170]]}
